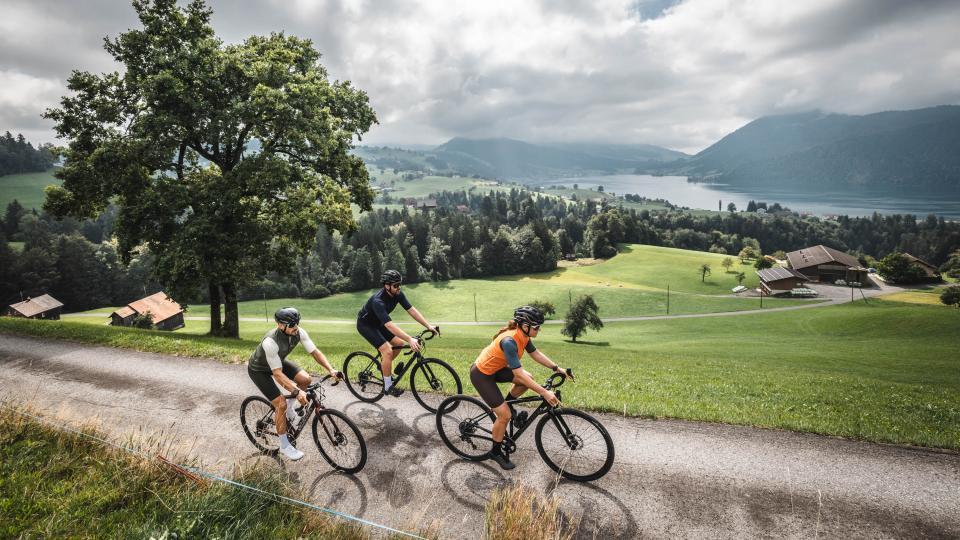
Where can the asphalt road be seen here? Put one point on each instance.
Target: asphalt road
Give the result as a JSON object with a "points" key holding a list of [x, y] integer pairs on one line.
{"points": [[670, 479]]}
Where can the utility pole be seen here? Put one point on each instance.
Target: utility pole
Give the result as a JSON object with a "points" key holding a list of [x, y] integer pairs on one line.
{"points": [[761, 297], [668, 299], [475, 319], [265, 316]]}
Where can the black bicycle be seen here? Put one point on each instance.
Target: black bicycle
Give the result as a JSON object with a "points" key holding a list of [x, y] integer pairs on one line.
{"points": [[336, 436], [571, 442], [431, 379]]}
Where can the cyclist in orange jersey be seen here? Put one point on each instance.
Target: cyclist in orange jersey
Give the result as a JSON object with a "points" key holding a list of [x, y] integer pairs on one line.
{"points": [[499, 362]]}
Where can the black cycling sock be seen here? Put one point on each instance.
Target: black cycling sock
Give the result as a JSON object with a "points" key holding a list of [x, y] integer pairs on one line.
{"points": [[497, 447]]}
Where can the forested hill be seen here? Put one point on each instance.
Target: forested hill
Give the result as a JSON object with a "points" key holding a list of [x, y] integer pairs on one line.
{"points": [[17, 155], [510, 158], [919, 149]]}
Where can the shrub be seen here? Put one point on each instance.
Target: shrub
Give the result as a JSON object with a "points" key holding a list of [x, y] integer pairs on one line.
{"points": [[143, 320], [951, 296]]}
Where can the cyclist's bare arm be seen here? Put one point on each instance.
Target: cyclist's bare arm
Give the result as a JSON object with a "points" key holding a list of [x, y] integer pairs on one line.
{"points": [[520, 375], [421, 319], [546, 362], [321, 359], [289, 385], [395, 330]]}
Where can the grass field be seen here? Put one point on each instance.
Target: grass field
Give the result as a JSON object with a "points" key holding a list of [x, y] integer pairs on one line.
{"points": [[631, 284], [25, 188], [883, 371]]}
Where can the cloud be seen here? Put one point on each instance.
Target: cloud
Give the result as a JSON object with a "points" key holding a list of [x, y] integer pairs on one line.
{"points": [[678, 74]]}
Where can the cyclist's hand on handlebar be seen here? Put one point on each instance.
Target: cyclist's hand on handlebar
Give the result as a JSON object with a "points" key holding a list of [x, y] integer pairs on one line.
{"points": [[435, 329], [414, 344], [338, 375], [551, 398], [302, 397]]}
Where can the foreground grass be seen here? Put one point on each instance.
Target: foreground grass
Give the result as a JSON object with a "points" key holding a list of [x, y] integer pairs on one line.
{"points": [[883, 371], [520, 513], [60, 485]]}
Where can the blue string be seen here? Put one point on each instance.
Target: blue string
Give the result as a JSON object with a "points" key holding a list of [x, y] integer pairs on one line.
{"points": [[227, 481]]}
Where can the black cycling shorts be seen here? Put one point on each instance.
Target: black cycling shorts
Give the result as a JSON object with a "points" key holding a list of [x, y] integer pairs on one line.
{"points": [[267, 384], [374, 335], [486, 385]]}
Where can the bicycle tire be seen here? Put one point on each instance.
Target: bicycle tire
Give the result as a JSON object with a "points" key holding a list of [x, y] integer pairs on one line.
{"points": [[257, 419], [362, 372], [337, 430], [436, 377], [561, 419], [458, 419]]}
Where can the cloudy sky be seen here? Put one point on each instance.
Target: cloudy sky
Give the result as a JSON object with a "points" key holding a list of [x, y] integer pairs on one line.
{"points": [[679, 74]]}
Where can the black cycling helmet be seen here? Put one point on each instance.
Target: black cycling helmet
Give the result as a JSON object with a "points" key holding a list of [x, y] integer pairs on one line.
{"points": [[391, 276], [528, 315], [287, 316]]}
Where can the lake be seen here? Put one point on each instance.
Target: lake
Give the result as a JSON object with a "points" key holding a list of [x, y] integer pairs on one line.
{"points": [[678, 191]]}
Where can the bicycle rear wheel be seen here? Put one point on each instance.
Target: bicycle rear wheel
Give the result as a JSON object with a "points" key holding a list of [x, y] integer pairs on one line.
{"points": [[466, 426], [339, 441], [574, 444], [432, 381], [257, 417], [363, 375]]}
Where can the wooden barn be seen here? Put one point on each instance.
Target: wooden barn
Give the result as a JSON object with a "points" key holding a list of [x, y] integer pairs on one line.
{"points": [[826, 265], [780, 280], [41, 307], [167, 314], [931, 272]]}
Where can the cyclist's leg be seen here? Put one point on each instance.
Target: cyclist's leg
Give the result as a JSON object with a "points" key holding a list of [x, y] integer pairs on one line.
{"points": [[268, 387], [486, 386], [518, 387]]}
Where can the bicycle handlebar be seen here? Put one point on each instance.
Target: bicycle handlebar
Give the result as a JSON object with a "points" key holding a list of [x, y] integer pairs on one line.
{"points": [[557, 379], [426, 335]]}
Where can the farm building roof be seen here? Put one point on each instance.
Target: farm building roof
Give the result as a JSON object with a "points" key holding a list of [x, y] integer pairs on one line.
{"points": [[921, 262], [36, 306], [820, 254], [776, 274], [159, 306], [124, 312]]}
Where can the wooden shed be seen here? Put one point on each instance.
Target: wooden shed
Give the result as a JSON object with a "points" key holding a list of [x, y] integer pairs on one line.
{"points": [[167, 314], [825, 264], [41, 307], [780, 280]]}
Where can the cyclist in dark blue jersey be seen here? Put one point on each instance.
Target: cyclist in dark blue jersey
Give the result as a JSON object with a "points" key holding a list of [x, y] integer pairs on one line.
{"points": [[376, 326]]}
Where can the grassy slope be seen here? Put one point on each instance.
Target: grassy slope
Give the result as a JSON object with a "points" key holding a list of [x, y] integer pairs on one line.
{"points": [[26, 188], [883, 371], [61, 485], [631, 284]]}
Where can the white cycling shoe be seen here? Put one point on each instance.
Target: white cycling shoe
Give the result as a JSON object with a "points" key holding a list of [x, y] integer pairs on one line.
{"points": [[291, 452]]}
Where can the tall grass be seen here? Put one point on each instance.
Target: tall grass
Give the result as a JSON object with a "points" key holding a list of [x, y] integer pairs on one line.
{"points": [[519, 513], [56, 484]]}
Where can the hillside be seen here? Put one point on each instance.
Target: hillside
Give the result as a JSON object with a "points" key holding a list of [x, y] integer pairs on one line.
{"points": [[919, 148], [509, 158]]}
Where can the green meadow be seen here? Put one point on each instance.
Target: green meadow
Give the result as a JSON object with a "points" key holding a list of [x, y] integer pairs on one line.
{"points": [[26, 188], [634, 283]]}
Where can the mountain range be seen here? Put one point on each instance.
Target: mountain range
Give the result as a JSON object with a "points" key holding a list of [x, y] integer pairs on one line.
{"points": [[917, 149]]}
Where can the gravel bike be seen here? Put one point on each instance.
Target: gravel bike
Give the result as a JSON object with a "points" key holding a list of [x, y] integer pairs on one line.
{"points": [[571, 442], [431, 379], [336, 436]]}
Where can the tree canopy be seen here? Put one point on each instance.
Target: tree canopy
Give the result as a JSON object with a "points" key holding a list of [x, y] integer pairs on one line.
{"points": [[583, 314], [223, 159]]}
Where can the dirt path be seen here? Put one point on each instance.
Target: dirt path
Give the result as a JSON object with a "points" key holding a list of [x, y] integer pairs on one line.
{"points": [[670, 478]]}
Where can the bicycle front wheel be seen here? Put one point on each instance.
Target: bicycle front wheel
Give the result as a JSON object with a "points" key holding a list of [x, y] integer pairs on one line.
{"points": [[432, 381], [339, 441], [257, 417], [466, 426], [363, 375], [574, 444]]}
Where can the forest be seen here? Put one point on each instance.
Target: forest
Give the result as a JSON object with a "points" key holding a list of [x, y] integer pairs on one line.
{"points": [[468, 235]]}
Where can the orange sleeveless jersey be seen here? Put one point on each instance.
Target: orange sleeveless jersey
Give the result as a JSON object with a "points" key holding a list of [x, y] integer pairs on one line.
{"points": [[492, 359]]}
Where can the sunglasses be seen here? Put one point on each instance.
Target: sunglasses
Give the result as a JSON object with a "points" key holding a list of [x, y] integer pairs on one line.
{"points": [[393, 285]]}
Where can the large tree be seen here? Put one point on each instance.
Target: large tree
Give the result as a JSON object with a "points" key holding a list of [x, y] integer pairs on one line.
{"points": [[169, 139]]}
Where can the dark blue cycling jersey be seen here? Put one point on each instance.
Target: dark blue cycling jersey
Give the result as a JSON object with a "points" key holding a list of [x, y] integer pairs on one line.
{"points": [[376, 312]]}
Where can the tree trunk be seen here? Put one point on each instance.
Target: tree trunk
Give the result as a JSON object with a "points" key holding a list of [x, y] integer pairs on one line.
{"points": [[231, 315], [215, 325]]}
